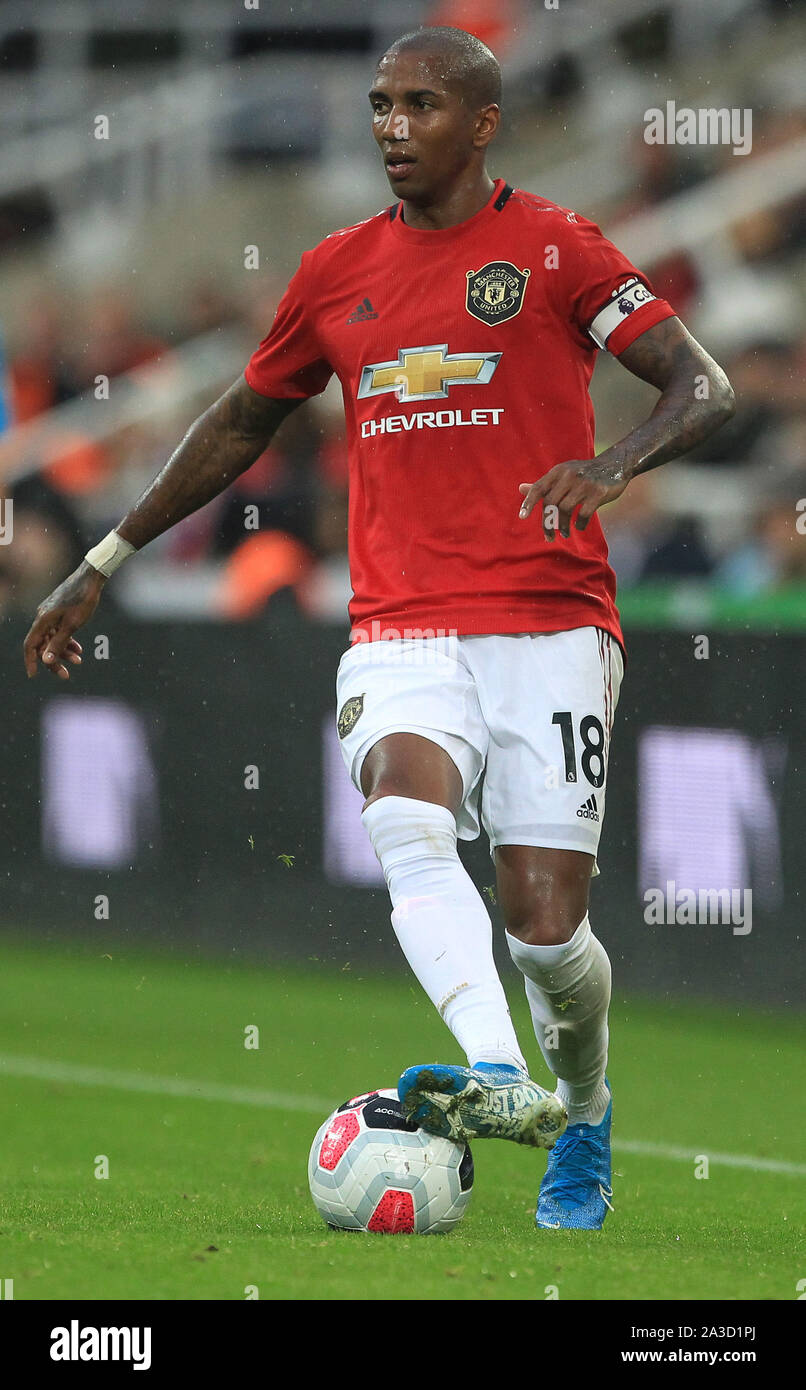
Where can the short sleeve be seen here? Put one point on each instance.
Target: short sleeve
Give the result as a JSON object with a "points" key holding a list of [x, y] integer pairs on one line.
{"points": [[288, 364], [604, 296]]}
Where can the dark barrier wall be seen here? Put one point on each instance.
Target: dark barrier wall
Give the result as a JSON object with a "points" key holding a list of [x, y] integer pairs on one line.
{"points": [[174, 792]]}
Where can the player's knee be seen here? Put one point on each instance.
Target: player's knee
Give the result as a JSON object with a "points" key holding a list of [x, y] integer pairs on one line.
{"points": [[547, 919], [404, 785], [385, 788], [404, 826]]}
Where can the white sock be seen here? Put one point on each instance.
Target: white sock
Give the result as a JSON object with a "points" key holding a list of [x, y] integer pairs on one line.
{"points": [[568, 988], [442, 924]]}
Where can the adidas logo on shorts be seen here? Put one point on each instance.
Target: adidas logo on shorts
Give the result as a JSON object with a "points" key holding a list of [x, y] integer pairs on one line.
{"points": [[589, 810]]}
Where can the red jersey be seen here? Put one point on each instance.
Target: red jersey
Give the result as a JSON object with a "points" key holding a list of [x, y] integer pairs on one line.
{"points": [[464, 357]]}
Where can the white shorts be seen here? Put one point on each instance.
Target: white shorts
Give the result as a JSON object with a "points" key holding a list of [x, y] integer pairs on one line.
{"points": [[533, 711]]}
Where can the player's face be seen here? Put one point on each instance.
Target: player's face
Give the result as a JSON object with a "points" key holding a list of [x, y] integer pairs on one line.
{"points": [[425, 131]]}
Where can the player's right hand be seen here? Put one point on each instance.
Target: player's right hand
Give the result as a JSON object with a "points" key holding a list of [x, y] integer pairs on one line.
{"points": [[51, 637]]}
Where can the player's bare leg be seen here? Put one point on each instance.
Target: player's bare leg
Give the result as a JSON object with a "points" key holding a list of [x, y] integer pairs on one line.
{"points": [[414, 790], [408, 765], [544, 898]]}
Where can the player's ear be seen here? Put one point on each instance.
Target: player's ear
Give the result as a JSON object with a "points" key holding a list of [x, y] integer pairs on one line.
{"points": [[487, 123]]}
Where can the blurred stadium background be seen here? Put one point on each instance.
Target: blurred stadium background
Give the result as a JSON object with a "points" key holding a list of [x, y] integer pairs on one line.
{"points": [[125, 258]]}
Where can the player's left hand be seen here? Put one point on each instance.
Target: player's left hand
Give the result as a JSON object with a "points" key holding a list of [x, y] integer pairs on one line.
{"points": [[579, 483]]}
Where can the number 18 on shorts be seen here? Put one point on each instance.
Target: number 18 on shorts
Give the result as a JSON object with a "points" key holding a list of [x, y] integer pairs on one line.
{"points": [[533, 712]]}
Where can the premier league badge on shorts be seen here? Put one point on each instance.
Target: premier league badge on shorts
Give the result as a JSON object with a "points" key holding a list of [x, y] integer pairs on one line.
{"points": [[349, 714], [495, 293]]}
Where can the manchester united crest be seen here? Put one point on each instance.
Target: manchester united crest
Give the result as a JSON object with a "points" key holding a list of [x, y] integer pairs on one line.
{"points": [[349, 713], [495, 293]]}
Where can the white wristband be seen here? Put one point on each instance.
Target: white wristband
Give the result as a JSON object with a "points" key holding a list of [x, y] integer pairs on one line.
{"points": [[109, 553]]}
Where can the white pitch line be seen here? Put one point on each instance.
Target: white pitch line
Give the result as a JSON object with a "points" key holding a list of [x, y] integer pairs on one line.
{"points": [[646, 1149], [72, 1074], [41, 1070]]}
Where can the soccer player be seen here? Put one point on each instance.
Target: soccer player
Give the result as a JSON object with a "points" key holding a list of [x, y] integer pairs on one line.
{"points": [[463, 323]]}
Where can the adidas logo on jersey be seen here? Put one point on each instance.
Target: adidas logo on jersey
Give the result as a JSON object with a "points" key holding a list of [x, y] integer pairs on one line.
{"points": [[589, 810], [362, 311]]}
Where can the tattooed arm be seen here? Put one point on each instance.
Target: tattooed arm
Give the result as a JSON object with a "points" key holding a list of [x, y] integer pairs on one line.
{"points": [[220, 445], [696, 398]]}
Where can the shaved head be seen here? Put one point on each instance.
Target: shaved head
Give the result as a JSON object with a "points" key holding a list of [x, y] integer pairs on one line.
{"points": [[434, 112], [466, 65]]}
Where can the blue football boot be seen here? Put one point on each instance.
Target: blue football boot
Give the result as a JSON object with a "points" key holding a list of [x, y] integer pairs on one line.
{"points": [[488, 1101], [577, 1185]]}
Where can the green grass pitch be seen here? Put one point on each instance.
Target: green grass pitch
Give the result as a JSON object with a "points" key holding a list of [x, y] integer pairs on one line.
{"points": [[207, 1190]]}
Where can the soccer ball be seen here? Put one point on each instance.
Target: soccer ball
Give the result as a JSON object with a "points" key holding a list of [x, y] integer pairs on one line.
{"points": [[370, 1169]]}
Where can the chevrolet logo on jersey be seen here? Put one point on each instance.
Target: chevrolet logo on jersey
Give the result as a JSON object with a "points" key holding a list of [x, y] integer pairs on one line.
{"points": [[427, 373]]}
